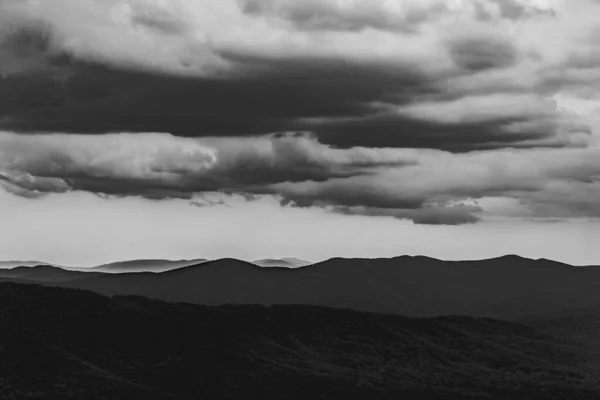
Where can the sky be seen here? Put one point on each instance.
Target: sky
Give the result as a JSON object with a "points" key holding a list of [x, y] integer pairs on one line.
{"points": [[457, 129]]}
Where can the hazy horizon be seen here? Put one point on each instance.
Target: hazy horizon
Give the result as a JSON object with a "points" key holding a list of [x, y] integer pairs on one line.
{"points": [[283, 259]]}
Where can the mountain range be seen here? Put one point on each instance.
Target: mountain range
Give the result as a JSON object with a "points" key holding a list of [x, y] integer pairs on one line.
{"points": [[44, 273], [403, 327], [509, 287], [58, 343], [151, 265], [14, 264]]}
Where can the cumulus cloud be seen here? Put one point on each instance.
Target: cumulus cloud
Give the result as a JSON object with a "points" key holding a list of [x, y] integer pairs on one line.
{"points": [[428, 215], [339, 69], [29, 186], [545, 183], [133, 163], [425, 186], [404, 15], [407, 109]]}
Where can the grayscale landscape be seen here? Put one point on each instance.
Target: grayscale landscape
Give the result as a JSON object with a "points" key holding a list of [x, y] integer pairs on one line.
{"points": [[300, 199]]}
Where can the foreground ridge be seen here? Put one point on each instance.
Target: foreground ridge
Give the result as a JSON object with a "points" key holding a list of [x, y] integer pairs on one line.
{"points": [[64, 342]]}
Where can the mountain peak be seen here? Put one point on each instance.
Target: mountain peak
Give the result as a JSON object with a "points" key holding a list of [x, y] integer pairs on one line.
{"points": [[416, 257], [221, 263], [147, 265], [288, 262], [510, 257], [14, 264]]}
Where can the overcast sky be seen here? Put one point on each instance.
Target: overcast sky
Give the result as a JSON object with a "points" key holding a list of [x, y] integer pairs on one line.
{"points": [[458, 129]]}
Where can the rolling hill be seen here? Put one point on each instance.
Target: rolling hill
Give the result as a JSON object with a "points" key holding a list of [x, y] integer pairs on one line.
{"points": [[509, 287], [62, 343], [146, 265], [14, 264], [282, 262], [45, 273]]}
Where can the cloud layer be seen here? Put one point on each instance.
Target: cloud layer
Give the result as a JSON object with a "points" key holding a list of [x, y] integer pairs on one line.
{"points": [[421, 110], [356, 74], [426, 186]]}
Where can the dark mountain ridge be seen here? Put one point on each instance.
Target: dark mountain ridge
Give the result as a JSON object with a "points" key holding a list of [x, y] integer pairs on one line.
{"points": [[507, 287], [13, 264], [287, 262], [149, 265], [44, 273], [62, 343]]}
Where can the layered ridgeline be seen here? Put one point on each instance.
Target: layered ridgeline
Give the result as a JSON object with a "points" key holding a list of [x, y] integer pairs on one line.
{"points": [[15, 264], [145, 265], [44, 273], [282, 262], [58, 343], [509, 287], [151, 265]]}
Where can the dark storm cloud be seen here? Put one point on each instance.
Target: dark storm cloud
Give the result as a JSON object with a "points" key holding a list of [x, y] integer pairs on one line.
{"points": [[440, 215], [130, 164], [26, 185], [405, 16], [412, 112], [333, 100], [513, 9], [480, 53], [97, 100], [323, 15], [29, 45], [346, 100], [293, 167], [420, 185], [420, 211], [547, 183], [164, 21], [268, 96]]}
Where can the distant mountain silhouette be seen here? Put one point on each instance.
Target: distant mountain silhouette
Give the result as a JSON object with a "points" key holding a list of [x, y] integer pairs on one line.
{"points": [[59, 343], [44, 273], [146, 265], [14, 264], [507, 287], [282, 262]]}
